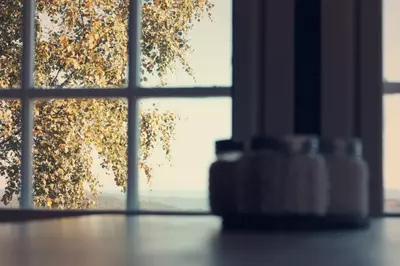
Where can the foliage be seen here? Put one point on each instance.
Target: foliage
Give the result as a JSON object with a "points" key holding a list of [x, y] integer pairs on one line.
{"points": [[83, 43]]}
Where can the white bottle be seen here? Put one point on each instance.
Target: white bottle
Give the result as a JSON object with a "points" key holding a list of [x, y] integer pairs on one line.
{"points": [[305, 181], [223, 177], [349, 176], [260, 181]]}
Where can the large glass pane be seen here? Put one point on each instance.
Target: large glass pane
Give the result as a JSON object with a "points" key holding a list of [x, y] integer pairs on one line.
{"points": [[10, 152], [186, 43], [391, 40], [177, 148], [81, 43], [79, 152], [391, 103], [391, 148], [10, 43]]}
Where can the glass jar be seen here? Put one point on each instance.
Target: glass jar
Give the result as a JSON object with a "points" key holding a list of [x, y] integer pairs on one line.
{"points": [[260, 183], [305, 182], [348, 173], [223, 177]]}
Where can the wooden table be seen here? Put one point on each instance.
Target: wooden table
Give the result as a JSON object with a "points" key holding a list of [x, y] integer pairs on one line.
{"points": [[186, 241]]}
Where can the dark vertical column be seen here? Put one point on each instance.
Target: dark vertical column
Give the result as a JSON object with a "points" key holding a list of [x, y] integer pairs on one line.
{"points": [[277, 91], [357, 71], [245, 59], [262, 69], [307, 66]]}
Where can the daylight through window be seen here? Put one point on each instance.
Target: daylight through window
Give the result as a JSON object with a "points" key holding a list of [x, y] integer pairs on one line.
{"points": [[104, 104]]}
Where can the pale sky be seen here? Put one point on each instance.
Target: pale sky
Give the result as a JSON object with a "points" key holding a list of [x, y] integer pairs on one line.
{"points": [[391, 103], [391, 40]]}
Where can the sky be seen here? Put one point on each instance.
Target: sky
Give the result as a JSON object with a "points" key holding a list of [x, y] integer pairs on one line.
{"points": [[391, 103], [391, 40]]}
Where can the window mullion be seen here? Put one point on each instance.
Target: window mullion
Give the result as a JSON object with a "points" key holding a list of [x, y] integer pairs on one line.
{"points": [[133, 110], [277, 90], [27, 83], [370, 82], [391, 87], [246, 59], [338, 67]]}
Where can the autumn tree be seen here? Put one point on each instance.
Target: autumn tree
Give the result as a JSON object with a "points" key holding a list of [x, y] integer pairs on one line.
{"points": [[83, 43]]}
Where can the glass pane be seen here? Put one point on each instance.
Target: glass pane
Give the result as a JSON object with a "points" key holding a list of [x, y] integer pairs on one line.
{"points": [[177, 148], [10, 152], [186, 44], [80, 153], [391, 40], [81, 43], [10, 43], [391, 148]]}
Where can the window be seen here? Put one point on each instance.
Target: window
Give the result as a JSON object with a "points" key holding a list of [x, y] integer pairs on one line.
{"points": [[136, 94], [351, 97]]}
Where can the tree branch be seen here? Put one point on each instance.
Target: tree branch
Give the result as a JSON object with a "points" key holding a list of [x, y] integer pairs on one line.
{"points": [[9, 138], [67, 79], [81, 15], [55, 78]]}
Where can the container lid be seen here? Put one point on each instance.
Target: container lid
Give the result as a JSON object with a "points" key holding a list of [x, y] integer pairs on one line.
{"points": [[228, 145], [301, 144], [266, 143], [351, 146]]}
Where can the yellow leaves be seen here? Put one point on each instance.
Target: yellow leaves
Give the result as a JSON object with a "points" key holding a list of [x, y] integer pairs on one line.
{"points": [[72, 62], [49, 203], [36, 132], [64, 40], [3, 84], [93, 39], [99, 68], [63, 147], [70, 48], [96, 25], [89, 3]]}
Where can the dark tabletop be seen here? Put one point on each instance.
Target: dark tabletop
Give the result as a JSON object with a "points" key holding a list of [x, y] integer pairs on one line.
{"points": [[192, 240]]}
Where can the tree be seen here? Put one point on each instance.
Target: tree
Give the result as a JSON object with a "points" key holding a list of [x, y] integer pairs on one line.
{"points": [[83, 43]]}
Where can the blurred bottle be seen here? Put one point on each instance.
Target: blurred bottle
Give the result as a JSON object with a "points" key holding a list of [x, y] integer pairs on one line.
{"points": [[223, 177], [260, 179], [305, 179], [349, 176]]}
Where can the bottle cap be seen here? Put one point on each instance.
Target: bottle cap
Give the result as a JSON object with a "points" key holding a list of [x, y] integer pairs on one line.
{"points": [[301, 144], [350, 147], [228, 145]]}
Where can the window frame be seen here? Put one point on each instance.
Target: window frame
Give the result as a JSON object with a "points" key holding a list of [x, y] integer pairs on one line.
{"points": [[351, 97], [351, 104], [391, 87], [369, 96], [249, 25], [388, 89], [133, 92]]}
